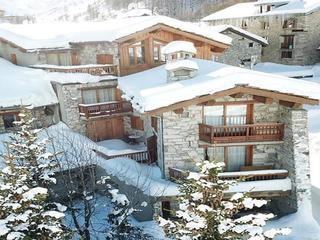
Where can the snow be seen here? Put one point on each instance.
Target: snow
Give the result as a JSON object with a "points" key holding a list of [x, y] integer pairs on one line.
{"points": [[53, 214], [212, 77], [56, 35], [179, 46], [115, 147], [145, 177], [24, 86], [303, 226], [252, 173], [251, 9], [284, 70], [261, 186], [181, 64], [32, 193], [223, 28], [73, 78], [139, 12]]}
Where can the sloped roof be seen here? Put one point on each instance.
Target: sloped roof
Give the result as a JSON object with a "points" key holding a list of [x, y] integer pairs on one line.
{"points": [[250, 35], [59, 35], [251, 9], [149, 90]]}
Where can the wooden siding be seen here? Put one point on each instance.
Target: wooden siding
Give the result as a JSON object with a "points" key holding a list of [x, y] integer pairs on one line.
{"points": [[103, 129]]}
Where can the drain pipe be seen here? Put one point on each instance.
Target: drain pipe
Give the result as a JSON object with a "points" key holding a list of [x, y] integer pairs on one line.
{"points": [[161, 154]]}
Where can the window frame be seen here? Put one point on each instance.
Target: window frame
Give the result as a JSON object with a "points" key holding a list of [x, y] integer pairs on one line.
{"points": [[135, 46], [16, 116], [97, 95]]}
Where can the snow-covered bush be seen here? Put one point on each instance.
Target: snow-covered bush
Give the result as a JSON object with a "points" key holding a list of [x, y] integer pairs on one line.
{"points": [[25, 212], [121, 228], [204, 213]]}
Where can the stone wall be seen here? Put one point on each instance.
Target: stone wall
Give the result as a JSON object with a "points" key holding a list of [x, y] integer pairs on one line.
{"points": [[240, 50], [306, 37], [87, 53], [181, 139], [69, 96], [293, 155]]}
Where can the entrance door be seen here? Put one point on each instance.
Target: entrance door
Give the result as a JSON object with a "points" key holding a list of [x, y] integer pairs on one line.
{"points": [[103, 129]]}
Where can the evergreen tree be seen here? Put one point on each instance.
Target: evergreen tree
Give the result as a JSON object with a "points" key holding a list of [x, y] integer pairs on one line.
{"points": [[205, 214], [25, 212]]}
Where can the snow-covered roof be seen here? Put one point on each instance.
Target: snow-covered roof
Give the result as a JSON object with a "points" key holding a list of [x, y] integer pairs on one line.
{"points": [[182, 64], [149, 90], [179, 46], [255, 37], [272, 2], [285, 70], [251, 9], [59, 35], [24, 86], [32, 87]]}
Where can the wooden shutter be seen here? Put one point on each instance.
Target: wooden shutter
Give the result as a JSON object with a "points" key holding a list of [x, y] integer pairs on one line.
{"points": [[75, 59], [104, 59], [137, 123], [14, 58]]}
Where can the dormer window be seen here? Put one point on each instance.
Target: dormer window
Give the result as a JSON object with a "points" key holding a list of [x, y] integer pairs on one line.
{"points": [[290, 23]]}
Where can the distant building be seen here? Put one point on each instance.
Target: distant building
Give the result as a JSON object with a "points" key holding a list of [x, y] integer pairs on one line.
{"points": [[291, 27], [246, 48], [15, 19]]}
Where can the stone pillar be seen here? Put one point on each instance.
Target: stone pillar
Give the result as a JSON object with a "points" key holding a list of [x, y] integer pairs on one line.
{"points": [[293, 155], [2, 129]]}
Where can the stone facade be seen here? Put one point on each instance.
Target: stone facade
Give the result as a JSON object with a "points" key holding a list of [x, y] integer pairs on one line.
{"points": [[243, 51], [181, 139], [306, 36], [69, 96]]}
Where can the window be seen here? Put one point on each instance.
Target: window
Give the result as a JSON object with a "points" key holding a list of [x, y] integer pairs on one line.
{"points": [[137, 123], [158, 57], [251, 44], [290, 23], [137, 53], [104, 59], [14, 58], [286, 54], [166, 209], [265, 25], [287, 42], [9, 119], [98, 95], [244, 24]]}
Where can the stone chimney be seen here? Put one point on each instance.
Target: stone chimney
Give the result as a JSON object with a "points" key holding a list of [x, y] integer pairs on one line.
{"points": [[180, 65]]}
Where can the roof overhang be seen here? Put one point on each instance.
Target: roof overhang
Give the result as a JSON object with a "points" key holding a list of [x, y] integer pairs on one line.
{"points": [[286, 99], [161, 26]]}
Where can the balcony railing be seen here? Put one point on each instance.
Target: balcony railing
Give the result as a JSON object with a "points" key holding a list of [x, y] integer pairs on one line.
{"points": [[97, 70], [104, 109], [241, 133]]}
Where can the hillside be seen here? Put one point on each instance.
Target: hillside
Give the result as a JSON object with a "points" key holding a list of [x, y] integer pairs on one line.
{"points": [[79, 10]]}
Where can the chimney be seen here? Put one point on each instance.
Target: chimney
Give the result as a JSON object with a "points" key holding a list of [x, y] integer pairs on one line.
{"points": [[179, 63]]}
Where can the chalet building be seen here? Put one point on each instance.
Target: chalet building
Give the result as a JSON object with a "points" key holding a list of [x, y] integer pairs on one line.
{"points": [[291, 27], [246, 48], [27, 88], [93, 105], [14, 19], [120, 46], [198, 109]]}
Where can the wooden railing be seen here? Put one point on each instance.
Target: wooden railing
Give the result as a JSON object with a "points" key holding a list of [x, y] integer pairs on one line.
{"points": [[178, 174], [97, 70], [140, 157], [104, 109], [241, 133]]}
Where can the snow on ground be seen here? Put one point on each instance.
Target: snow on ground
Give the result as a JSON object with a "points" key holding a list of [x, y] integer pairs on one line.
{"points": [[303, 226], [117, 147]]}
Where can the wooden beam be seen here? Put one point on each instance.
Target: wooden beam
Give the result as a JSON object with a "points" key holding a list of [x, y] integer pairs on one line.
{"points": [[237, 95], [178, 111], [265, 100], [214, 103], [249, 155]]}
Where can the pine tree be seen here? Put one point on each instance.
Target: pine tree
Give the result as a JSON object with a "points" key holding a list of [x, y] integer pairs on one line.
{"points": [[205, 214], [25, 212]]}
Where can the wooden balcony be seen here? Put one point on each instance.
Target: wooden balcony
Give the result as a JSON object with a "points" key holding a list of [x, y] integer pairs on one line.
{"points": [[96, 70], [261, 132], [104, 109]]}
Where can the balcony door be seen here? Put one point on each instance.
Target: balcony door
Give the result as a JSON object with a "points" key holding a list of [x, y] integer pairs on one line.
{"points": [[228, 115], [99, 95], [225, 115]]}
